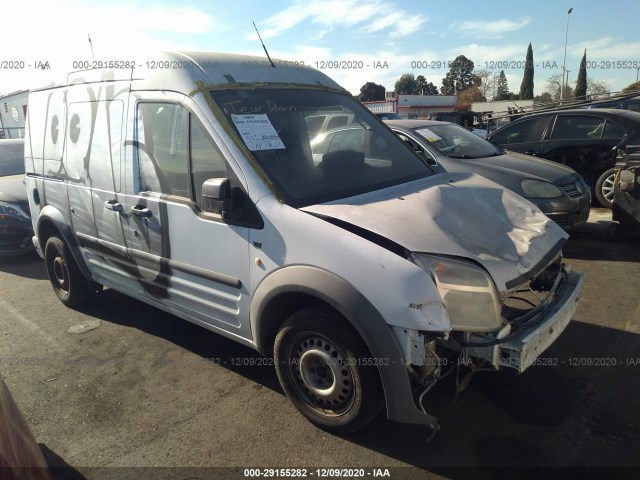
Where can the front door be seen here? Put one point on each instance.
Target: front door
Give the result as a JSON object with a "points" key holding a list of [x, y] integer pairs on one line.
{"points": [[190, 261]]}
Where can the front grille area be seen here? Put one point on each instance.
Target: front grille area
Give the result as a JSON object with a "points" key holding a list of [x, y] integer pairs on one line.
{"points": [[570, 220], [572, 189]]}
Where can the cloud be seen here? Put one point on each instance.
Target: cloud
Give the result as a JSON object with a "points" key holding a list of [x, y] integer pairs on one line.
{"points": [[488, 28], [606, 49], [489, 57], [373, 16]]}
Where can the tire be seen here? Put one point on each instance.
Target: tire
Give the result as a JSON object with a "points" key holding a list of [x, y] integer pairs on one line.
{"points": [[68, 282], [604, 188], [319, 362]]}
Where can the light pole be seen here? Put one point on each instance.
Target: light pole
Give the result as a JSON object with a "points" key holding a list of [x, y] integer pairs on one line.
{"points": [[564, 62]]}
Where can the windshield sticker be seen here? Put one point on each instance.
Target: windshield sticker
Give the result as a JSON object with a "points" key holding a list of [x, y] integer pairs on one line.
{"points": [[429, 135], [257, 132]]}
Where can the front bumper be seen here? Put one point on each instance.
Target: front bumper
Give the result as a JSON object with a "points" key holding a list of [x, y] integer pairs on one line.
{"points": [[15, 237], [566, 211], [522, 352]]}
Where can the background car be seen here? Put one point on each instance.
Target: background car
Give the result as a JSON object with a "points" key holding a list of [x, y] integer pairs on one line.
{"points": [[587, 140], [632, 104], [16, 231], [388, 116], [557, 190]]}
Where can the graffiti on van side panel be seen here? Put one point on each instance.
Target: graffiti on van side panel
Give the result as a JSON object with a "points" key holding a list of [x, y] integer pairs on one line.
{"points": [[94, 122]]}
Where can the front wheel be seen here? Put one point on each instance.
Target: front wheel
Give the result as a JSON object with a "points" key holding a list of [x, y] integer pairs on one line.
{"points": [[604, 188], [71, 287], [326, 371]]}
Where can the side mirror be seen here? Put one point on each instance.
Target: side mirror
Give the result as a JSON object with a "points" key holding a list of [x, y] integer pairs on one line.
{"points": [[216, 196]]}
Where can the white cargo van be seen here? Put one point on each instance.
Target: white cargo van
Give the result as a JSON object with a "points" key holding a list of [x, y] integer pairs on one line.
{"points": [[362, 273]]}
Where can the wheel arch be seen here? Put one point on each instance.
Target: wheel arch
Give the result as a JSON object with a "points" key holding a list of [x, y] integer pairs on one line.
{"points": [[290, 288], [51, 223]]}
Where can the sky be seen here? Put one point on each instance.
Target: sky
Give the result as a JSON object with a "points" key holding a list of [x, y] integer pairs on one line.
{"points": [[352, 41]]}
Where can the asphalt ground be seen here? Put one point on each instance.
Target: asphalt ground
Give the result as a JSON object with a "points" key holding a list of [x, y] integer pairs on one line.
{"points": [[141, 391]]}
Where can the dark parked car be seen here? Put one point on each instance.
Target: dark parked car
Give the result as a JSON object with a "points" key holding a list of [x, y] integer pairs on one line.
{"points": [[632, 104], [16, 231], [586, 140], [557, 190], [388, 116]]}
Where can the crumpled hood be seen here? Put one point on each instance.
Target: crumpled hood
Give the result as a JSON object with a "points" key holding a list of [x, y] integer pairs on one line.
{"points": [[462, 215]]}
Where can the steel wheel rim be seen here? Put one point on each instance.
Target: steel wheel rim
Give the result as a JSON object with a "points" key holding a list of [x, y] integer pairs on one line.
{"points": [[607, 187], [60, 273], [321, 374]]}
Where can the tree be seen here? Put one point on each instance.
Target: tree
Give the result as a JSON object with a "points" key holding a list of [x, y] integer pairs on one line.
{"points": [[487, 82], [372, 92], [581, 83], [526, 88], [598, 88], [502, 91], [544, 97], [553, 87], [424, 88], [473, 94], [460, 76], [406, 84], [631, 88]]}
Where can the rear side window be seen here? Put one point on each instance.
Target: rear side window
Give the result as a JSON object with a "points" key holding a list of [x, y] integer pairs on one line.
{"points": [[530, 130], [11, 159], [175, 154], [575, 127], [613, 131]]}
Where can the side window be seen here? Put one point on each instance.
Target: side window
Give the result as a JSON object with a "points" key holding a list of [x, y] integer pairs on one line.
{"points": [[612, 131], [337, 121], [314, 124], [530, 130], [175, 154], [349, 139], [163, 146], [320, 144], [206, 160], [417, 148], [574, 127]]}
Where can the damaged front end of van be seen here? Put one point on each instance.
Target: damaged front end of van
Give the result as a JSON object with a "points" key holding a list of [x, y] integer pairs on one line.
{"points": [[505, 294]]}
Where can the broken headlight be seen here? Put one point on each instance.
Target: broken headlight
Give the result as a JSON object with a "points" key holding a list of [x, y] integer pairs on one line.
{"points": [[467, 291]]}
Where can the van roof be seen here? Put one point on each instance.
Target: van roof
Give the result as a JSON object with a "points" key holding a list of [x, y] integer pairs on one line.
{"points": [[183, 71]]}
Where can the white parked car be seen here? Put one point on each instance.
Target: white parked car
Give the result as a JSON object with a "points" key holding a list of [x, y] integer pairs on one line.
{"points": [[363, 274]]}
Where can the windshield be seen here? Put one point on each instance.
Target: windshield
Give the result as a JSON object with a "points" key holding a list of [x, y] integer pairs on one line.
{"points": [[318, 146], [11, 159], [457, 142]]}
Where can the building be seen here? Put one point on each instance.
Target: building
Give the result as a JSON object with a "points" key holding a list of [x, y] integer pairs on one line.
{"points": [[13, 113], [415, 106]]}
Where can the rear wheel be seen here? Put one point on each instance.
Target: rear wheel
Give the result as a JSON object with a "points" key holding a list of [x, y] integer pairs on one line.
{"points": [[71, 287], [326, 371], [604, 188]]}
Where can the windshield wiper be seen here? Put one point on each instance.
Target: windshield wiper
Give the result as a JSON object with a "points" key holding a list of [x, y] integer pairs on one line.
{"points": [[461, 156]]}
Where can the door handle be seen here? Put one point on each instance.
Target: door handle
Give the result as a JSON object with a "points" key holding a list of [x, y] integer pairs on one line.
{"points": [[531, 152], [113, 205], [141, 211]]}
